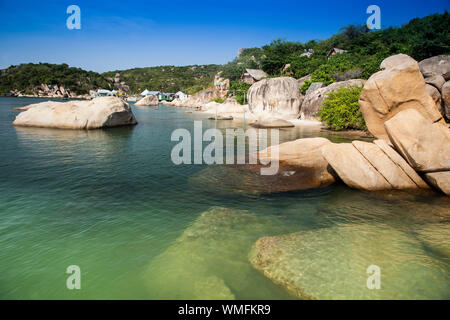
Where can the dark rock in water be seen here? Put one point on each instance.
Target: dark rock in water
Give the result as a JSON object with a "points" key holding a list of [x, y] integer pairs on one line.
{"points": [[247, 179], [209, 260], [221, 118], [332, 263]]}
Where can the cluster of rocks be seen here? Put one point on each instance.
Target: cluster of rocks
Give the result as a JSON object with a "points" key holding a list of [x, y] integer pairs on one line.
{"points": [[436, 71], [413, 144], [118, 84], [280, 97], [51, 91], [97, 113]]}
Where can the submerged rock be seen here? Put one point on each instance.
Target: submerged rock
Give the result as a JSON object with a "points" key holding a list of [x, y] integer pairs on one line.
{"points": [[209, 260], [94, 114], [398, 87], [275, 97], [332, 263], [148, 100], [303, 155]]}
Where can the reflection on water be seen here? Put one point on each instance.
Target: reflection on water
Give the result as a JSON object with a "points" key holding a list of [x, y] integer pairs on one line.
{"points": [[139, 227]]}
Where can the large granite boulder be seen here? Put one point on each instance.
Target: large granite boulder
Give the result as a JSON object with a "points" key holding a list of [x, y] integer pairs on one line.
{"points": [[435, 66], [313, 101], [440, 180], [399, 86], [333, 263], [446, 98], [436, 81], [94, 114], [401, 163], [424, 144], [302, 80], [436, 95], [149, 100], [275, 97], [303, 156], [395, 175], [355, 170]]}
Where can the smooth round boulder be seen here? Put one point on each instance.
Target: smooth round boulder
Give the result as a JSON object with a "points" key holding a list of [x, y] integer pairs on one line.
{"points": [[149, 100], [398, 87], [97, 113], [435, 66], [275, 97]]}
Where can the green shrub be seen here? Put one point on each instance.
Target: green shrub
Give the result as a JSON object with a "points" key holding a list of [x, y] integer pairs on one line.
{"points": [[219, 100], [340, 110], [239, 91]]}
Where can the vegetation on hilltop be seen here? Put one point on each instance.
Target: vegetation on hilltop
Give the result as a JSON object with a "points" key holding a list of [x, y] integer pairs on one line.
{"points": [[420, 38], [168, 78], [28, 77]]}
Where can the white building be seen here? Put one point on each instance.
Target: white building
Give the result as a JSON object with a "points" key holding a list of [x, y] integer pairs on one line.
{"points": [[181, 95]]}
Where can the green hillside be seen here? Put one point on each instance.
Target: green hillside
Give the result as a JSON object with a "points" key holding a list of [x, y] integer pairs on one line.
{"points": [[168, 78], [28, 77], [420, 38]]}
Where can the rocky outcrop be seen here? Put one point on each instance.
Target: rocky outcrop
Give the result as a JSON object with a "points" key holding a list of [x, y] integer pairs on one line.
{"points": [[424, 144], [435, 81], [440, 180], [271, 123], [401, 163], [436, 95], [355, 170], [94, 114], [209, 259], [197, 100], [303, 156], [393, 174], [313, 101], [314, 87], [399, 86], [276, 98], [446, 98], [149, 100], [435, 66], [302, 80], [332, 263]]}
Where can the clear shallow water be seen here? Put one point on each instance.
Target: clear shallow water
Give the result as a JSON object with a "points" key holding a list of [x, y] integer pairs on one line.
{"points": [[139, 227]]}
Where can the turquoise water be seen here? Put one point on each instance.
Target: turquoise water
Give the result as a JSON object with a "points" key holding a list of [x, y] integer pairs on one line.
{"points": [[139, 227]]}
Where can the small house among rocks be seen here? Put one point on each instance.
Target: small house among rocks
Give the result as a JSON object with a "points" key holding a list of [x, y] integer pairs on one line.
{"points": [[251, 76]]}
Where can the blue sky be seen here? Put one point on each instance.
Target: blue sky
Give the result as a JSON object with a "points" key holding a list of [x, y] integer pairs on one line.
{"points": [[126, 34]]}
